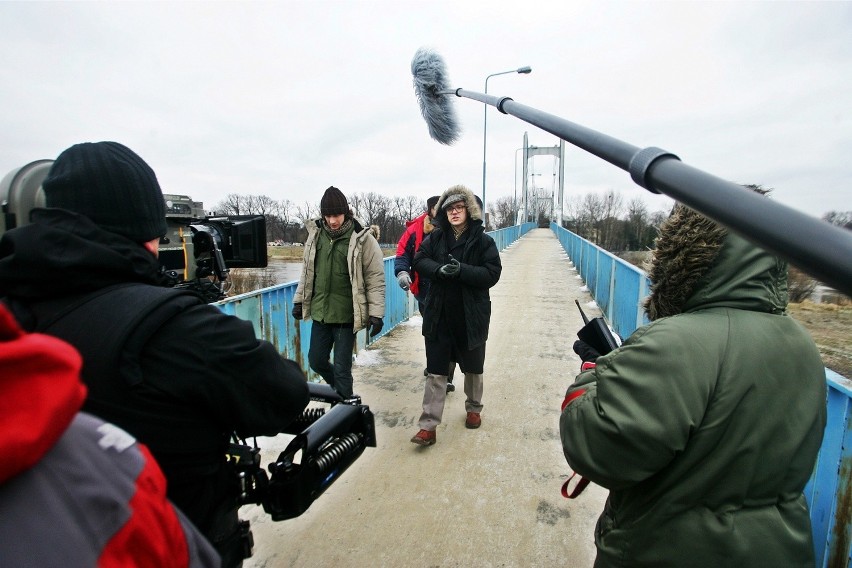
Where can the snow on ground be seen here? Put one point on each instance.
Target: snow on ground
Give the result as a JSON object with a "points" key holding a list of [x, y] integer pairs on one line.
{"points": [[413, 321], [369, 357]]}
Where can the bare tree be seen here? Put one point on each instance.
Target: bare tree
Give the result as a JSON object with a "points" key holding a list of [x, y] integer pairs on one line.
{"points": [[590, 214], [407, 208], [356, 204], [306, 212], [800, 286], [278, 220], [636, 227], [502, 212], [610, 212], [233, 204]]}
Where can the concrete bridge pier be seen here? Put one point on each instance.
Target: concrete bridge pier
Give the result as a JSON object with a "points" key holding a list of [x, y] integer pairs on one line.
{"points": [[486, 497]]}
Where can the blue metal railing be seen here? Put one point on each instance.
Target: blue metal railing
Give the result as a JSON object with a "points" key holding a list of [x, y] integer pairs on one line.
{"points": [[617, 286], [269, 309], [619, 289]]}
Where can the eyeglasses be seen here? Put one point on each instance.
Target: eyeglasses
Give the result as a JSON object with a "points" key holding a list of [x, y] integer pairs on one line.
{"points": [[456, 208]]}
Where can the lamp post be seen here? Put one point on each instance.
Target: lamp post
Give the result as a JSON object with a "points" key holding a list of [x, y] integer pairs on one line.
{"points": [[535, 197], [522, 70], [515, 195]]}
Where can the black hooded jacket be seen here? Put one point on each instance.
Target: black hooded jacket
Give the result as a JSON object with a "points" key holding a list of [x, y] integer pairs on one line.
{"points": [[200, 376], [463, 303]]}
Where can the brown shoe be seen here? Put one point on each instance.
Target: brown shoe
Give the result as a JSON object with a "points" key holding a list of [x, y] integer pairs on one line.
{"points": [[473, 420], [424, 438]]}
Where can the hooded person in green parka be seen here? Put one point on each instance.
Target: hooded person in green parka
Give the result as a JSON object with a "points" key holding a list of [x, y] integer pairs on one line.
{"points": [[705, 424]]}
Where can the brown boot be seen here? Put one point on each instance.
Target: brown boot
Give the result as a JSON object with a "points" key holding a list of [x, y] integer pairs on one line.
{"points": [[473, 420], [424, 438]]}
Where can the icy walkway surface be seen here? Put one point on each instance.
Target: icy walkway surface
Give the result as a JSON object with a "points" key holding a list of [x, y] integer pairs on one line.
{"points": [[488, 497]]}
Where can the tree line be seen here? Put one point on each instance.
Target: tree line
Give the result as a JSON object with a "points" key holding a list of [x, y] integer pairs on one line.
{"points": [[602, 218]]}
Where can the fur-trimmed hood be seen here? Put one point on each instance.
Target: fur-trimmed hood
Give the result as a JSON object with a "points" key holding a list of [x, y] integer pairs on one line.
{"points": [[697, 263], [474, 211]]}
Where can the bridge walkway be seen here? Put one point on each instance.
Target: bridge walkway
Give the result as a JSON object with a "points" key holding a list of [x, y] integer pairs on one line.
{"points": [[486, 497]]}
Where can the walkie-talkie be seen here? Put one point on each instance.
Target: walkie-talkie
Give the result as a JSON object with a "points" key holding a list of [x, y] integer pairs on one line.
{"points": [[596, 333]]}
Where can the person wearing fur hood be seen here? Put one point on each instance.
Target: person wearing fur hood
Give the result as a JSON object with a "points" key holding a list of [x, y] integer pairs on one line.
{"points": [[462, 263], [705, 424], [341, 288]]}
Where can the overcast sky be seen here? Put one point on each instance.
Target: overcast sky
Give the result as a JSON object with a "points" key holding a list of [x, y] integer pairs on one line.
{"points": [[287, 98]]}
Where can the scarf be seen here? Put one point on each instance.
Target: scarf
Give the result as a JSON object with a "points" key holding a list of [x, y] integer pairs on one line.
{"points": [[339, 232], [457, 231]]}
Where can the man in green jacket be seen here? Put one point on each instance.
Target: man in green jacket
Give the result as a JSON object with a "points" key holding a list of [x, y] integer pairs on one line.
{"points": [[342, 288], [706, 423]]}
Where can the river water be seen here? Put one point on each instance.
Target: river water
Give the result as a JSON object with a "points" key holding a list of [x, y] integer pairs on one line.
{"points": [[283, 271], [277, 272]]}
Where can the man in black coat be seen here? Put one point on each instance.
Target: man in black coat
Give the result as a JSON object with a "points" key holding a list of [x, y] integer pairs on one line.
{"points": [[175, 372], [463, 263]]}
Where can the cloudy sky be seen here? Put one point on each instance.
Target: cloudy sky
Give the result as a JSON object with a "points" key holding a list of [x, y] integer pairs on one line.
{"points": [[286, 98]]}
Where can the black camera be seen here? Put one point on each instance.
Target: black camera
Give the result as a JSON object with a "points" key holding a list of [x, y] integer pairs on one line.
{"points": [[198, 251], [326, 443]]}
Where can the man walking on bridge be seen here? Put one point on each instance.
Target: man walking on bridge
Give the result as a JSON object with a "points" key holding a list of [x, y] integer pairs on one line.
{"points": [[342, 288], [463, 263]]}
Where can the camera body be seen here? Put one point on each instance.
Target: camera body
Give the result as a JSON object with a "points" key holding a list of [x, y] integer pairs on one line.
{"points": [[197, 250]]}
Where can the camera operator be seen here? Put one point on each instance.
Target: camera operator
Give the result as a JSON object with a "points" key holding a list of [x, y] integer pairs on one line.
{"points": [[706, 423], [86, 270]]}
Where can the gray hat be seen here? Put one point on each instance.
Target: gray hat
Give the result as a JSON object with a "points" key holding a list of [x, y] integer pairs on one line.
{"points": [[455, 198]]}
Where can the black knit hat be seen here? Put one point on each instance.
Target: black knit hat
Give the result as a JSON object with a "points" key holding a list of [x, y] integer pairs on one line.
{"points": [[333, 202], [430, 203], [111, 185]]}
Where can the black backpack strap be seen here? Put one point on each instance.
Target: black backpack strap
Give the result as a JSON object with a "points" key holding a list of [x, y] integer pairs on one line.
{"points": [[110, 327]]}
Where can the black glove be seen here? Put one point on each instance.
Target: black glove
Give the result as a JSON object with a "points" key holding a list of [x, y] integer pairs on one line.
{"points": [[375, 325], [586, 351], [451, 269], [297, 311]]}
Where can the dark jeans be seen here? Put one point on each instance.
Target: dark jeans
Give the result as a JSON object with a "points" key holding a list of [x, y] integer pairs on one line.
{"points": [[340, 336]]}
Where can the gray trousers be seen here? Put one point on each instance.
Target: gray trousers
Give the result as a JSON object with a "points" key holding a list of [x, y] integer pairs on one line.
{"points": [[435, 395]]}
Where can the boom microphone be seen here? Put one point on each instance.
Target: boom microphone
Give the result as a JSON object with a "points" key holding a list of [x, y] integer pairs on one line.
{"points": [[430, 80], [817, 247]]}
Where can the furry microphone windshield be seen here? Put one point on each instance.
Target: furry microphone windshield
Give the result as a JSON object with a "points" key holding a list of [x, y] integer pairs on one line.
{"points": [[430, 86]]}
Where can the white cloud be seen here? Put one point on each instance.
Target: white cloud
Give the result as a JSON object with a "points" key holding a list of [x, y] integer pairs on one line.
{"points": [[286, 98]]}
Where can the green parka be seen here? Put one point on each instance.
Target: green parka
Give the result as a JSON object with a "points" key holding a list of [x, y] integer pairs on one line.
{"points": [[365, 263], [705, 424]]}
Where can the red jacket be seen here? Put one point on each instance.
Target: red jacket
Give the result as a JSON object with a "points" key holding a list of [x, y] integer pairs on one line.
{"points": [[409, 243], [74, 490]]}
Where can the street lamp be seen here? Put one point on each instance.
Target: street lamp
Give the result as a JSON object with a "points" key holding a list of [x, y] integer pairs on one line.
{"points": [[515, 195], [523, 70]]}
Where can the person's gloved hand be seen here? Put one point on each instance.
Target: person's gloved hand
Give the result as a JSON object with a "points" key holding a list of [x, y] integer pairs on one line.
{"points": [[375, 325], [297, 311], [451, 269], [404, 280], [586, 352]]}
